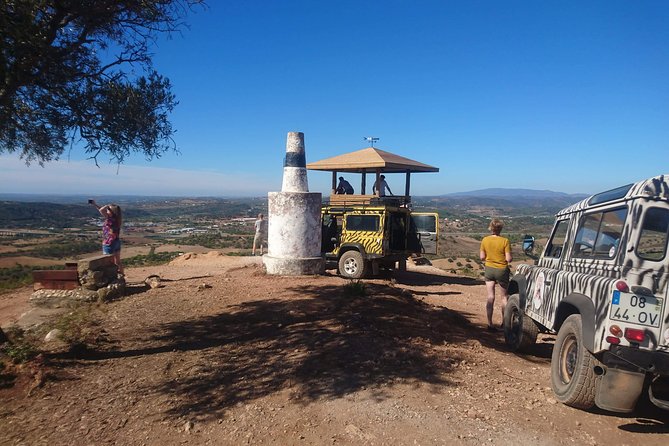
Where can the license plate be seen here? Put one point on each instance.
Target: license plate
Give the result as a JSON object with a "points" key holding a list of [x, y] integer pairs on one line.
{"points": [[636, 309]]}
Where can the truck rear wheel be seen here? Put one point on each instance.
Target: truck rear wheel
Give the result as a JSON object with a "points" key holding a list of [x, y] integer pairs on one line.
{"points": [[520, 332], [352, 265], [572, 366]]}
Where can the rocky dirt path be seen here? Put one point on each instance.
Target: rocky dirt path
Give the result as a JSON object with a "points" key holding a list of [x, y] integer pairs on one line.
{"points": [[223, 354]]}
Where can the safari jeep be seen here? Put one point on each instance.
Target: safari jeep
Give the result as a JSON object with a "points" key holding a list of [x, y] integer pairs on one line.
{"points": [[362, 238], [601, 286]]}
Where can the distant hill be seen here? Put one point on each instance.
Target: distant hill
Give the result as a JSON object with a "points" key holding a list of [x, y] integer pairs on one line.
{"points": [[500, 201], [517, 193]]}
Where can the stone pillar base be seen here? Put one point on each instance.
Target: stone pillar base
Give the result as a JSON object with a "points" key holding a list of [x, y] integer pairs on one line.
{"points": [[294, 267]]}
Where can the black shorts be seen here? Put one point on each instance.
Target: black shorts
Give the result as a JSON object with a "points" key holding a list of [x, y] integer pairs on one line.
{"points": [[499, 275]]}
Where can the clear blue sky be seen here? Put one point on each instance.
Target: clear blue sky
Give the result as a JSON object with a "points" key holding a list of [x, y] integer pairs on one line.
{"points": [[570, 96]]}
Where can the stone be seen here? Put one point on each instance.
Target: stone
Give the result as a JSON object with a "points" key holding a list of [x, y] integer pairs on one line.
{"points": [[153, 281], [94, 263], [53, 335], [112, 291], [103, 294]]}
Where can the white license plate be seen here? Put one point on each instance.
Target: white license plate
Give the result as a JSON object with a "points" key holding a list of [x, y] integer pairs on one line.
{"points": [[636, 309]]}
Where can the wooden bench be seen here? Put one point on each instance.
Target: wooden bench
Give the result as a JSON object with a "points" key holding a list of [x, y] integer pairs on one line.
{"points": [[343, 200], [373, 200], [56, 279]]}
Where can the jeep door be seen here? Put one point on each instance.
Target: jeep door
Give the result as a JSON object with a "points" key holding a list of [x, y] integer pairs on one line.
{"points": [[539, 300], [646, 272], [427, 227]]}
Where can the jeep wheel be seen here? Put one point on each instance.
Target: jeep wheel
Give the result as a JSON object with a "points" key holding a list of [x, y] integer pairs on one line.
{"points": [[352, 265], [520, 332], [572, 366]]}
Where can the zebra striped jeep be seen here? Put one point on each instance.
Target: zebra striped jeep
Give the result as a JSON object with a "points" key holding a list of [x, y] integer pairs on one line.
{"points": [[362, 238], [601, 286]]}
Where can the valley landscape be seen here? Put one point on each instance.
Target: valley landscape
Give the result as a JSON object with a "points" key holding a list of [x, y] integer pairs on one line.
{"points": [[221, 353]]}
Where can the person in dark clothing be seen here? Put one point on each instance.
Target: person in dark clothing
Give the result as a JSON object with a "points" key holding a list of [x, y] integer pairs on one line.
{"points": [[344, 187]]}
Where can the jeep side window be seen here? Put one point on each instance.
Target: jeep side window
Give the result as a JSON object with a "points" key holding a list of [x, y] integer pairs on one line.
{"points": [[599, 234], [362, 223], [610, 232], [556, 243], [653, 238]]}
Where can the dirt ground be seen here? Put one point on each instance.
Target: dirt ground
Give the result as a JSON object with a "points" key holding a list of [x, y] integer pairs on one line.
{"points": [[224, 354]]}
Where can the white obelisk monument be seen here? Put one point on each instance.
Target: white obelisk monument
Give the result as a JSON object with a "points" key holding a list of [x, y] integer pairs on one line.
{"points": [[294, 226]]}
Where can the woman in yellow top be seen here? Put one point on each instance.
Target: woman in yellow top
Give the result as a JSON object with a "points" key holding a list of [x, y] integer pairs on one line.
{"points": [[496, 252]]}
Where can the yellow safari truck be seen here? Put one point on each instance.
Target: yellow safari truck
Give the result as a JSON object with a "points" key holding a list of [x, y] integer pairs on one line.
{"points": [[364, 232], [361, 239]]}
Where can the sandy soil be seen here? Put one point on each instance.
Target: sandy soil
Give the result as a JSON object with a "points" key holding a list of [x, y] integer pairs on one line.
{"points": [[224, 354]]}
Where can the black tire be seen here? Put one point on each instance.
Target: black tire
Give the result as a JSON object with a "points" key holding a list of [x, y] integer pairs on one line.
{"points": [[352, 265], [572, 366], [520, 331]]}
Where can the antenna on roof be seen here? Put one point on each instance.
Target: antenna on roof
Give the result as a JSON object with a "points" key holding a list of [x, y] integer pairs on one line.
{"points": [[371, 139]]}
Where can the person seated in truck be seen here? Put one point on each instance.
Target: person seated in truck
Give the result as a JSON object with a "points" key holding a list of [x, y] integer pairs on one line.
{"points": [[344, 187]]}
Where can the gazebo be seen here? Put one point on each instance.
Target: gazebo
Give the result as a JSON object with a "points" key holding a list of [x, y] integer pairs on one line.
{"points": [[369, 160]]}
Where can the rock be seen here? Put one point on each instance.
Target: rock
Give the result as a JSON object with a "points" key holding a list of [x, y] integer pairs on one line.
{"points": [[50, 298], [53, 335], [97, 272], [153, 281], [203, 286], [103, 294], [94, 263], [189, 426]]}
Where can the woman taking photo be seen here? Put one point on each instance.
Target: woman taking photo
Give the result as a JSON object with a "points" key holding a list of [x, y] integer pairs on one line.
{"points": [[111, 231]]}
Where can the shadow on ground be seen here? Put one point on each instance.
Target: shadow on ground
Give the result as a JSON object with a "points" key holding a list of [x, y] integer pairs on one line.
{"points": [[323, 342], [419, 278]]}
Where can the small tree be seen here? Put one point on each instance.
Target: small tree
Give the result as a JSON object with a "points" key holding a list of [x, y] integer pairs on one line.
{"points": [[80, 71]]}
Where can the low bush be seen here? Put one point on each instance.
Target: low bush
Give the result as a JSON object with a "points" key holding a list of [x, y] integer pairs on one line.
{"points": [[20, 346], [150, 259], [79, 326], [355, 288]]}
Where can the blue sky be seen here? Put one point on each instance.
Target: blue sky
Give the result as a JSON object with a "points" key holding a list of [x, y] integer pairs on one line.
{"points": [[569, 96]]}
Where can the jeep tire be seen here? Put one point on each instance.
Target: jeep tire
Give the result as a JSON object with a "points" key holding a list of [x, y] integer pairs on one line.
{"points": [[572, 366], [352, 265], [520, 331]]}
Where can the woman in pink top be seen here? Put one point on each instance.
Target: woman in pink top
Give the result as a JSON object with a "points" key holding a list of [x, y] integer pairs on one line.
{"points": [[111, 231]]}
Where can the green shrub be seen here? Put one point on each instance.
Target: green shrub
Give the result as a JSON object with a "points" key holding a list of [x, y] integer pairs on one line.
{"points": [[20, 347], [151, 259], [65, 248], [355, 288], [77, 325], [469, 272]]}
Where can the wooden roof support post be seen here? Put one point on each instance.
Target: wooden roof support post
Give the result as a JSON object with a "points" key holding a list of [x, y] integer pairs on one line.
{"points": [[376, 181], [408, 185], [334, 183], [363, 182]]}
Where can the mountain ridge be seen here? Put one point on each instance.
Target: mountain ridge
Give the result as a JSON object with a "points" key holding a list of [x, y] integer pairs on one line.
{"points": [[515, 192]]}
